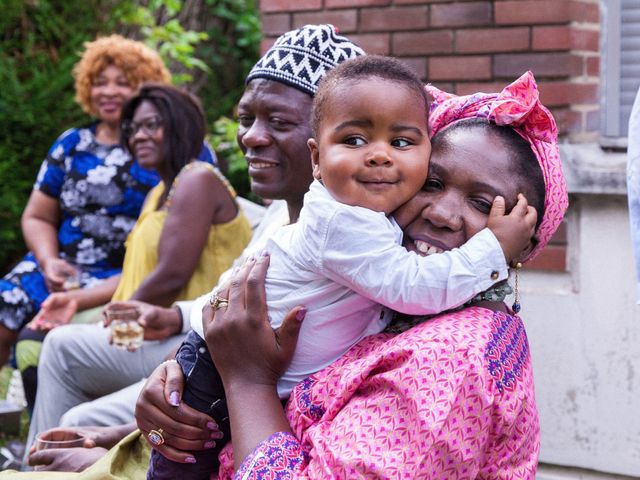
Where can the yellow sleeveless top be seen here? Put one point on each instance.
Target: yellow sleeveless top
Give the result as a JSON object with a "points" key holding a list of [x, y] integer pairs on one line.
{"points": [[225, 242]]}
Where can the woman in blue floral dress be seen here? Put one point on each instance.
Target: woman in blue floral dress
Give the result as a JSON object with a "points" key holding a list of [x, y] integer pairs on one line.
{"points": [[87, 195]]}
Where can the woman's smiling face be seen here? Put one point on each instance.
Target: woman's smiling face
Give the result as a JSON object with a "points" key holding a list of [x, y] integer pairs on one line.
{"points": [[465, 175]]}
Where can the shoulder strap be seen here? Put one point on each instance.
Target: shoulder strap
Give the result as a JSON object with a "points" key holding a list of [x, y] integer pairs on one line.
{"points": [[199, 164]]}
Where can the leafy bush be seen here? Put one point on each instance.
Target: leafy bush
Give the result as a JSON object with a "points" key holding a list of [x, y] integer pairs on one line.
{"points": [[38, 47], [39, 44], [223, 140]]}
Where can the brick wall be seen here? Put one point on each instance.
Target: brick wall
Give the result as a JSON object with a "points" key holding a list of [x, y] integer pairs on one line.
{"points": [[466, 46]]}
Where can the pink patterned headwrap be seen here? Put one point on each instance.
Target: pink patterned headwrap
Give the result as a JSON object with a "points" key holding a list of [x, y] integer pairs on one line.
{"points": [[517, 106]]}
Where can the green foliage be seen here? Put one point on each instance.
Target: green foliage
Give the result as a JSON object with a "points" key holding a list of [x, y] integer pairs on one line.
{"points": [[213, 43], [168, 37], [38, 47], [232, 49], [223, 141]]}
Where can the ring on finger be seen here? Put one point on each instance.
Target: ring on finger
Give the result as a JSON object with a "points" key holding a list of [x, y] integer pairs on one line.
{"points": [[217, 302], [155, 437]]}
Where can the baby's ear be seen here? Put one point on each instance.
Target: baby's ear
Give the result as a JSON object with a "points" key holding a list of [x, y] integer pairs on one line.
{"points": [[315, 158]]}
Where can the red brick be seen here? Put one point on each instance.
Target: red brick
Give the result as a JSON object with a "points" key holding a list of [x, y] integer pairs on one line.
{"points": [[569, 121], [541, 64], [467, 88], [461, 14], [565, 38], [266, 43], [587, 12], [393, 19], [550, 258], [421, 2], [552, 38], [593, 66], [356, 3], [568, 93], [482, 40], [373, 43], [267, 6], [560, 237], [460, 68], [345, 20], [529, 12], [422, 43], [276, 23], [585, 40], [417, 64]]}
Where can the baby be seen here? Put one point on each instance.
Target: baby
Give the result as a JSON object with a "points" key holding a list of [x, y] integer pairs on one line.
{"points": [[343, 259]]}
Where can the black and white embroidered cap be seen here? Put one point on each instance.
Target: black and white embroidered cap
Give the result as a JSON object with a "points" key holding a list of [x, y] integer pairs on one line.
{"points": [[300, 58]]}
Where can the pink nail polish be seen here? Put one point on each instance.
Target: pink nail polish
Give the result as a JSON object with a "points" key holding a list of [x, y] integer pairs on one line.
{"points": [[174, 399], [190, 460], [301, 314], [212, 426], [210, 444]]}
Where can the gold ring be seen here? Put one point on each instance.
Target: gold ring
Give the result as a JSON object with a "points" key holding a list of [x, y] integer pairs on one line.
{"points": [[155, 437], [217, 302]]}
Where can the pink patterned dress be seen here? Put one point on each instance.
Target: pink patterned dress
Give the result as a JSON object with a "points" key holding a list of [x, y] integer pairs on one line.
{"points": [[452, 398]]}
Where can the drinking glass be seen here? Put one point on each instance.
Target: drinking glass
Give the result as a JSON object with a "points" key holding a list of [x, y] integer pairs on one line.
{"points": [[59, 440], [126, 332]]}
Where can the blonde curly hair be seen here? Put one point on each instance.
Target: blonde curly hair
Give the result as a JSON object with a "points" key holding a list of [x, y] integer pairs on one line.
{"points": [[138, 62]]}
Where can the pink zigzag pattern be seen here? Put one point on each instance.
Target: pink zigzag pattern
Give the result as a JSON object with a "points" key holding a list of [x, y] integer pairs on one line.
{"points": [[429, 403]]}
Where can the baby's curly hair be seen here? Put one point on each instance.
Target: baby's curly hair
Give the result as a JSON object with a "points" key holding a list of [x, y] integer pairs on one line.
{"points": [[138, 62]]}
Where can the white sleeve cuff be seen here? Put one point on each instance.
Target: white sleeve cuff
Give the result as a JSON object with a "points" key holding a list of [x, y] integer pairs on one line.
{"points": [[185, 310], [484, 251]]}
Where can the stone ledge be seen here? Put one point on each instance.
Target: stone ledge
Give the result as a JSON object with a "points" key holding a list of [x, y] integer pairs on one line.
{"points": [[589, 169], [554, 472]]}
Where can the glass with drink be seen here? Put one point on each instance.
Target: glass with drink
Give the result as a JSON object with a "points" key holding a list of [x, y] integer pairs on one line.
{"points": [[58, 439], [71, 277], [71, 281], [126, 332]]}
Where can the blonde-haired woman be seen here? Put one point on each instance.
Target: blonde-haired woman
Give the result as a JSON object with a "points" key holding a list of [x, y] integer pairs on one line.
{"points": [[86, 198]]}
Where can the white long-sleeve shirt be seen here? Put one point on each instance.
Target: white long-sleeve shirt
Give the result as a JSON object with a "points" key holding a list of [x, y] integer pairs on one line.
{"points": [[345, 264]]}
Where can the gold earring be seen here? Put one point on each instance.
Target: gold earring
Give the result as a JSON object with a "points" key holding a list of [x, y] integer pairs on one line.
{"points": [[516, 301]]}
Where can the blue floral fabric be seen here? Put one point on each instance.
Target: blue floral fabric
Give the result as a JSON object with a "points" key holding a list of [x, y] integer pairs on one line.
{"points": [[100, 189]]}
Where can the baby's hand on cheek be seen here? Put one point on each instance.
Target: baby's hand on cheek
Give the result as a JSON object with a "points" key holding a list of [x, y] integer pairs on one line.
{"points": [[514, 231], [405, 214]]}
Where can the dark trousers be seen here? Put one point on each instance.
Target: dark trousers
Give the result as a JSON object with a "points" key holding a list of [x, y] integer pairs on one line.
{"points": [[204, 392]]}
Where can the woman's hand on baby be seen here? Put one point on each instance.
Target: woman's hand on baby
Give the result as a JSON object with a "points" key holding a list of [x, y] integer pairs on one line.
{"points": [[514, 231], [184, 429], [245, 348]]}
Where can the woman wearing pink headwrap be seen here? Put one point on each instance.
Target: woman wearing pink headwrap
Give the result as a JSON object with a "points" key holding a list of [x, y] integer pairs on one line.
{"points": [[451, 397]]}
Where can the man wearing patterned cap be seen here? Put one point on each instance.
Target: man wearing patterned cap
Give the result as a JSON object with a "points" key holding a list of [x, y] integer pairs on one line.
{"points": [[275, 108], [274, 114]]}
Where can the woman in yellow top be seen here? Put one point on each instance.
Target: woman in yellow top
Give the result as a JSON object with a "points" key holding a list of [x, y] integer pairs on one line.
{"points": [[190, 229]]}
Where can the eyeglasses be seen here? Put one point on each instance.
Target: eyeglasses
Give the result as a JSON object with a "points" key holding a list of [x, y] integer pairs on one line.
{"points": [[149, 126]]}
